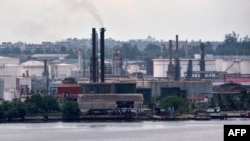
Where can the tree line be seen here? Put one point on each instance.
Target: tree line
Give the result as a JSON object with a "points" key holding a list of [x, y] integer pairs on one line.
{"points": [[232, 45], [226, 102], [38, 105]]}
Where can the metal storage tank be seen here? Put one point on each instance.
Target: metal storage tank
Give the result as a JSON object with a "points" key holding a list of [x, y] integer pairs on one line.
{"points": [[62, 70], [9, 60], [218, 65], [231, 66], [1, 88], [245, 67], [10, 94], [160, 66], [12, 69], [9, 81], [35, 68]]}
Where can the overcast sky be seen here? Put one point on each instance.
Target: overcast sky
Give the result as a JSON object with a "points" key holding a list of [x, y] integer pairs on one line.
{"points": [[34, 21]]}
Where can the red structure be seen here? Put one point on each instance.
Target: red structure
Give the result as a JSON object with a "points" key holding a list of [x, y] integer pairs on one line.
{"points": [[69, 90]]}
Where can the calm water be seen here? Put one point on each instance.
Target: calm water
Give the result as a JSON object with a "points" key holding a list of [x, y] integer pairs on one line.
{"points": [[118, 131]]}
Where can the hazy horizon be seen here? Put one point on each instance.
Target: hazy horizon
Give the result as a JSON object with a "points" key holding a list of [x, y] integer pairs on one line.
{"points": [[54, 20]]}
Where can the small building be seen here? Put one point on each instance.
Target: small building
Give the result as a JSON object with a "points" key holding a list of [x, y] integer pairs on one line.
{"points": [[111, 102], [67, 91]]}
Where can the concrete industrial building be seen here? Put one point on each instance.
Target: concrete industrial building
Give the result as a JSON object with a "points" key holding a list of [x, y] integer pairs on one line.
{"points": [[111, 102], [190, 88]]}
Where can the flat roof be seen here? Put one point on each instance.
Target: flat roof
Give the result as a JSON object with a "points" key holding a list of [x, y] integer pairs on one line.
{"points": [[49, 56]]}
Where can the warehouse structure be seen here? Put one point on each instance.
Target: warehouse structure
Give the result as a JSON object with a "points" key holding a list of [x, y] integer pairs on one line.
{"points": [[110, 102]]}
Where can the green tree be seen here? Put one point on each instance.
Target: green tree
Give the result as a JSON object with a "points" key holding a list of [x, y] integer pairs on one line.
{"points": [[231, 38], [49, 104], [12, 110], [20, 106], [180, 104], [130, 52], [151, 51], [37, 104], [70, 110], [63, 49]]}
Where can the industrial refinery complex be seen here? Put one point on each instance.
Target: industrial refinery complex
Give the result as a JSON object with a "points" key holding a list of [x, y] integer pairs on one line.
{"points": [[100, 84]]}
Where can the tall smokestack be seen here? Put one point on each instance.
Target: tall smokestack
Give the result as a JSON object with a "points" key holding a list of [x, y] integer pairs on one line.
{"points": [[170, 72], [177, 71], [177, 46], [202, 61], [93, 76], [170, 52], [102, 42]]}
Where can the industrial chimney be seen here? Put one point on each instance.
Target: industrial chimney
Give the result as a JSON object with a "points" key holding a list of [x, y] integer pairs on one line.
{"points": [[202, 61], [93, 67], [170, 72], [102, 47], [46, 77], [177, 70]]}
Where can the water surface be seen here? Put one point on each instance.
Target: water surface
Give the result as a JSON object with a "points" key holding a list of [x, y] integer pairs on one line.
{"points": [[118, 131]]}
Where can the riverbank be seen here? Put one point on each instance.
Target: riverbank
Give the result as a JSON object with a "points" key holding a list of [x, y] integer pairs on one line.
{"points": [[104, 118]]}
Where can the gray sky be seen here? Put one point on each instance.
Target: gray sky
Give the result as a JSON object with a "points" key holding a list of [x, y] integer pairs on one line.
{"points": [[34, 21]]}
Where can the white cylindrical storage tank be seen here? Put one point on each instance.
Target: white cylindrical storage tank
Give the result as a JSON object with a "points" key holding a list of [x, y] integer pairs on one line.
{"points": [[62, 70], [219, 65], [231, 66], [10, 94], [12, 69], [34, 68], [9, 60], [160, 67], [245, 67], [9, 81], [1, 88]]}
